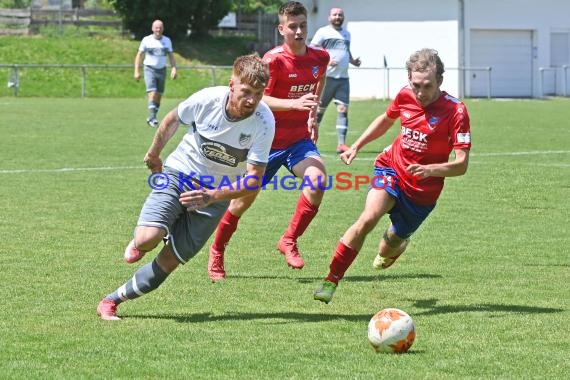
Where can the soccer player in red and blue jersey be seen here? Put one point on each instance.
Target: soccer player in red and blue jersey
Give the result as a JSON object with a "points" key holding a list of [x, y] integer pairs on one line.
{"points": [[409, 174], [297, 73]]}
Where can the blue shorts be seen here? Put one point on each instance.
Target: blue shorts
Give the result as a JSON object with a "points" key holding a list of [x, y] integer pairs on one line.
{"points": [[289, 157], [406, 216]]}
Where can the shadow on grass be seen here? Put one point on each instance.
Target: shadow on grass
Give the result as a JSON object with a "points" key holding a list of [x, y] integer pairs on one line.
{"points": [[287, 317], [306, 280], [389, 277], [430, 308]]}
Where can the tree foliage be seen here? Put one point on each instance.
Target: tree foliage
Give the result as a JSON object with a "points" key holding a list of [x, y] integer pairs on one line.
{"points": [[17, 4], [248, 6], [179, 16]]}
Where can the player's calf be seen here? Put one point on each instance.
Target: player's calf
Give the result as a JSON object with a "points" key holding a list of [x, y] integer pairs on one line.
{"points": [[395, 247]]}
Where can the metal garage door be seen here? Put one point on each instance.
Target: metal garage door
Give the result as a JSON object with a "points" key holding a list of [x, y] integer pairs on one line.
{"points": [[509, 53]]}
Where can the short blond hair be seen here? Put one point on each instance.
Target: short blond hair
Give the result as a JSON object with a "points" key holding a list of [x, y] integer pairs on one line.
{"points": [[252, 70], [424, 60]]}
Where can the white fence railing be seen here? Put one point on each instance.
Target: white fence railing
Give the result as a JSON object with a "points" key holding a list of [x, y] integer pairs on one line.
{"points": [[381, 82], [15, 84], [385, 82]]}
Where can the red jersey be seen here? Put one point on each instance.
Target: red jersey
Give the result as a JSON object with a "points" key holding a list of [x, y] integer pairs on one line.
{"points": [[290, 77], [427, 136]]}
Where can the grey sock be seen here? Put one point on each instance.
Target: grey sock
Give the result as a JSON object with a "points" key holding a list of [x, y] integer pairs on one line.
{"points": [[145, 280], [341, 127]]}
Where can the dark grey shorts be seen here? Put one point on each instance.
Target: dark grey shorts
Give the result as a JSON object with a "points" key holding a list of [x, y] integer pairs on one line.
{"points": [[187, 232], [337, 89], [154, 79]]}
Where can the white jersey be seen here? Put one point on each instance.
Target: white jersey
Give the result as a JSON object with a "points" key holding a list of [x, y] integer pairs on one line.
{"points": [[337, 43], [215, 147], [155, 51]]}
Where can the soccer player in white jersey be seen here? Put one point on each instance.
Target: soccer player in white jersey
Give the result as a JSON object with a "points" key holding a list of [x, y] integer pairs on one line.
{"points": [[230, 133], [153, 51], [336, 40]]}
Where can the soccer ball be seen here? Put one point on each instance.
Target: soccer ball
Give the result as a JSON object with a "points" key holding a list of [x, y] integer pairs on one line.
{"points": [[391, 330]]}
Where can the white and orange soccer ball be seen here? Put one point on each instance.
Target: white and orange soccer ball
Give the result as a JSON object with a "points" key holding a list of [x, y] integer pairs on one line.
{"points": [[391, 330]]}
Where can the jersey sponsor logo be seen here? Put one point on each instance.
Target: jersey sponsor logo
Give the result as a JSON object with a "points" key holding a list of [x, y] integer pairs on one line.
{"points": [[464, 138], [315, 71], [244, 139], [222, 153], [157, 51], [414, 134], [216, 153], [303, 87], [293, 75], [335, 44]]}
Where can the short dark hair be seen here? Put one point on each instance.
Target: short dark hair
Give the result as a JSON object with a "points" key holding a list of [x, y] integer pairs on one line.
{"points": [[291, 8]]}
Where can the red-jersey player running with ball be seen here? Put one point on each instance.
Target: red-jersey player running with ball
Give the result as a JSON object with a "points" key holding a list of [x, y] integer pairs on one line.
{"points": [[408, 175]]}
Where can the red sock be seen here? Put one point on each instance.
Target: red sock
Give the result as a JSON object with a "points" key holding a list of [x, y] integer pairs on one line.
{"points": [[304, 214], [342, 259], [226, 228]]}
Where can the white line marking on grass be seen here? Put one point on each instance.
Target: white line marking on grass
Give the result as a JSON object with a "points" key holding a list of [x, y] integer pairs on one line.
{"points": [[363, 156], [64, 170], [562, 165], [367, 156], [529, 153]]}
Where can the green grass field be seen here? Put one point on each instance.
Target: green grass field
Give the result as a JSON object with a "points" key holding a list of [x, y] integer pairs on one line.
{"points": [[485, 278]]}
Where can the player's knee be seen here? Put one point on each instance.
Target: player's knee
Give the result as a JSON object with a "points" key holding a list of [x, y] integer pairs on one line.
{"points": [[315, 178], [367, 221], [314, 184], [147, 238], [342, 108]]}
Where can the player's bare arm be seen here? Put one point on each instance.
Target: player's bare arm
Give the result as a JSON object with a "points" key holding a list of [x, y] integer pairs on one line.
{"points": [[249, 184], [303, 103], [453, 168], [138, 59], [375, 130], [164, 133], [312, 123], [173, 71], [354, 61]]}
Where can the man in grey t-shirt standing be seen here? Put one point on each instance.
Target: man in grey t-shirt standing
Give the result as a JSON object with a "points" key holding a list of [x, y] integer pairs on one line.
{"points": [[336, 40], [153, 51]]}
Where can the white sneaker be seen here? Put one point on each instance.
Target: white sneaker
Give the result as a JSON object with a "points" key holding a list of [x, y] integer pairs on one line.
{"points": [[385, 262], [153, 123], [379, 262]]}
